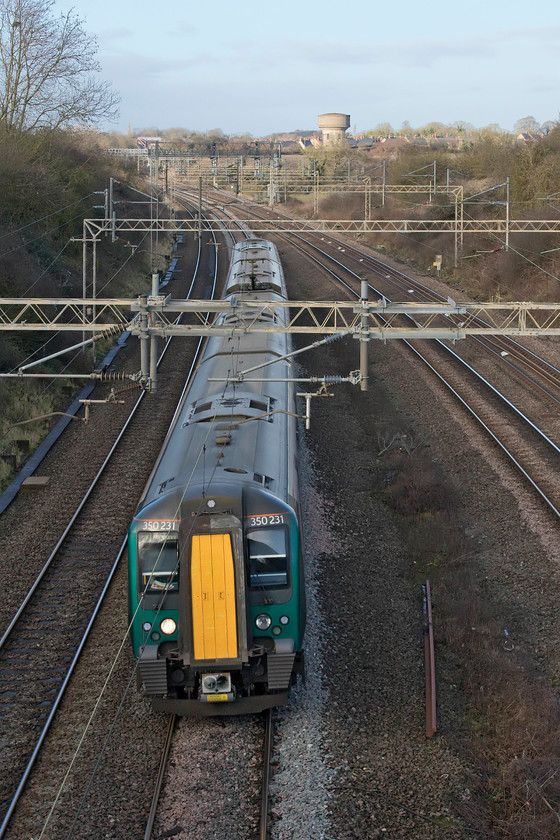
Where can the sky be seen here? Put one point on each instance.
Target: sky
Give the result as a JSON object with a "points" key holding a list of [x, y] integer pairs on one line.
{"points": [[266, 68]]}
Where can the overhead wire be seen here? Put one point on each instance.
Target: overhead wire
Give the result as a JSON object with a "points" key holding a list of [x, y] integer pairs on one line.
{"points": [[201, 454], [48, 268], [41, 236], [132, 253], [520, 254], [48, 216], [116, 658], [114, 663]]}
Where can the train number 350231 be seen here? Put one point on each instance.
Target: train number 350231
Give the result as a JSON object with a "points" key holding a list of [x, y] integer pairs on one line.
{"points": [[158, 524], [267, 519]]}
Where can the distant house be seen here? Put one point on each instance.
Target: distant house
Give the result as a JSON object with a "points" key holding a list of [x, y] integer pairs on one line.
{"points": [[309, 142], [361, 142], [529, 137], [289, 146]]}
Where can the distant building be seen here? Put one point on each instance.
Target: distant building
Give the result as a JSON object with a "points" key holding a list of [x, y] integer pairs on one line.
{"points": [[529, 137], [333, 127], [289, 146], [148, 142], [309, 142], [361, 142]]}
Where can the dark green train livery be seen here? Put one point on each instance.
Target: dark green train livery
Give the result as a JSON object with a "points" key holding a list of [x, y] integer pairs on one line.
{"points": [[216, 589]]}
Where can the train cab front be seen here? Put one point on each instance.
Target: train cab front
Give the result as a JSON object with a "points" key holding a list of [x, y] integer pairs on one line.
{"points": [[219, 615]]}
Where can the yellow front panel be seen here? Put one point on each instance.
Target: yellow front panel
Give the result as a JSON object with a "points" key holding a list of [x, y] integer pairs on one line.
{"points": [[213, 597]]}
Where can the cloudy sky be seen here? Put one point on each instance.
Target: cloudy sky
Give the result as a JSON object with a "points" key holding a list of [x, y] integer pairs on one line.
{"points": [[271, 67]]}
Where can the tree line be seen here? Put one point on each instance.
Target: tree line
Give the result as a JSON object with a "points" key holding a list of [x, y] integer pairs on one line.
{"points": [[48, 70]]}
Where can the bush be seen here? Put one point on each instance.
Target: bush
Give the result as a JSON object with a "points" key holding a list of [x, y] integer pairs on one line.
{"points": [[418, 487]]}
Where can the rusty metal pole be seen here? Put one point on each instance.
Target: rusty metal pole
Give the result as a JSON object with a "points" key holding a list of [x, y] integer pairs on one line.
{"points": [[429, 660]]}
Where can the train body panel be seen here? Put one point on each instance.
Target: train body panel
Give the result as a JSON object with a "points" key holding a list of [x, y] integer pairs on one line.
{"points": [[216, 594]]}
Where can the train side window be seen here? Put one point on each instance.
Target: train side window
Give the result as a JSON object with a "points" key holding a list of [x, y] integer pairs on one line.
{"points": [[158, 560], [268, 558]]}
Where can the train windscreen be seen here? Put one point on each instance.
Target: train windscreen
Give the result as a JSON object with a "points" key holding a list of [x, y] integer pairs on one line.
{"points": [[268, 557], [158, 560]]}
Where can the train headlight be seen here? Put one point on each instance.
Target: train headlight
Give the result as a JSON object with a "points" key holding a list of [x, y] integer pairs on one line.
{"points": [[146, 627], [263, 621], [284, 619], [168, 626]]}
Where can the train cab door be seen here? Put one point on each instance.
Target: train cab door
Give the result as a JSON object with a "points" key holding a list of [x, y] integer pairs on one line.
{"points": [[215, 626], [213, 604]]}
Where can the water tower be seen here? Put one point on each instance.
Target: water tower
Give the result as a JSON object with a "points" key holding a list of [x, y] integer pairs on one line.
{"points": [[333, 127]]}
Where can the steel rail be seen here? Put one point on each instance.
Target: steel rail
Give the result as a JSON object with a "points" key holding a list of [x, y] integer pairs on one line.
{"points": [[520, 353], [523, 355], [43, 734], [484, 381], [56, 703], [494, 437], [68, 528], [160, 777], [267, 754]]}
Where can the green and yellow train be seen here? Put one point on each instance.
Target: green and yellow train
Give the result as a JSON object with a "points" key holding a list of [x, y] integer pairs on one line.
{"points": [[216, 585]]}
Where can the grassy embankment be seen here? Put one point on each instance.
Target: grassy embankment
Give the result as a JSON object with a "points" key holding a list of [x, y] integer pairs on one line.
{"points": [[49, 181]]}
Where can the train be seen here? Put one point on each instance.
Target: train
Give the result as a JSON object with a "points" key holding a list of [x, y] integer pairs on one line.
{"points": [[216, 573]]}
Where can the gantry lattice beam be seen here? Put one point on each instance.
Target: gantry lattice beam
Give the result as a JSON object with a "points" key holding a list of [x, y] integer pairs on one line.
{"points": [[159, 316], [96, 227]]}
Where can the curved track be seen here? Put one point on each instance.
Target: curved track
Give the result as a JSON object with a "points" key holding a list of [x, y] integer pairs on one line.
{"points": [[528, 447], [42, 643]]}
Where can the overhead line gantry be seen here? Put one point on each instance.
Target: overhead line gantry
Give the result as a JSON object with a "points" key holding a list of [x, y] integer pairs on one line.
{"points": [[150, 317]]}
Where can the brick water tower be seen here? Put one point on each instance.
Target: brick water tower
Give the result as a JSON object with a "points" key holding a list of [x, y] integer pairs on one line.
{"points": [[333, 127]]}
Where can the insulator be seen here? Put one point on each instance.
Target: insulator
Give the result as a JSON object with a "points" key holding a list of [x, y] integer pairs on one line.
{"points": [[133, 386], [112, 377], [334, 337], [115, 329], [120, 377]]}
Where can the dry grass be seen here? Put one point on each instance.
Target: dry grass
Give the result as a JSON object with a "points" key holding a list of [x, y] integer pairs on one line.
{"points": [[512, 710]]}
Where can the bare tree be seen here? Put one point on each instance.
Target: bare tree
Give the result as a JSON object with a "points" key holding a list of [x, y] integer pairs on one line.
{"points": [[47, 67], [526, 125]]}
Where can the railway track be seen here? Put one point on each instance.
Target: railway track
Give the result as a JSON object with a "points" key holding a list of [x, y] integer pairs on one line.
{"points": [[265, 832], [530, 448], [526, 365], [43, 641], [156, 825], [526, 446]]}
